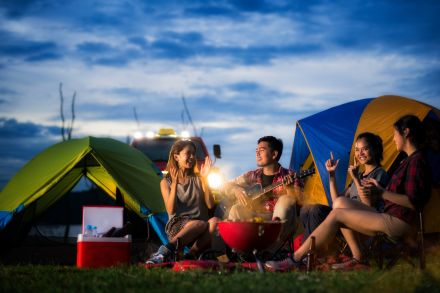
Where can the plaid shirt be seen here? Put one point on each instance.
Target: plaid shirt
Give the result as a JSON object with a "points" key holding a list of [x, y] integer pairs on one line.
{"points": [[254, 177], [413, 179]]}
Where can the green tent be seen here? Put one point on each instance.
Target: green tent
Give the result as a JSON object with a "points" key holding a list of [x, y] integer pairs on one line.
{"points": [[120, 170]]}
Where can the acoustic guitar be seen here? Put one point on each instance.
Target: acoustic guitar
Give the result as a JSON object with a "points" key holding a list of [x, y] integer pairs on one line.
{"points": [[257, 193]]}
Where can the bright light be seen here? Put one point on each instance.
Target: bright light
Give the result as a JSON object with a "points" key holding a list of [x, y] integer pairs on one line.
{"points": [[185, 134], [215, 180], [150, 134], [138, 135]]}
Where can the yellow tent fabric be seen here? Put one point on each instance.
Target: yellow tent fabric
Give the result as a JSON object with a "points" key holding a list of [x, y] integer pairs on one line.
{"points": [[313, 192]]}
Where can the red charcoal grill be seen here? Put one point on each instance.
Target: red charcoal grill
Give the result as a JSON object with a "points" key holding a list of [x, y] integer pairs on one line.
{"points": [[249, 236]]}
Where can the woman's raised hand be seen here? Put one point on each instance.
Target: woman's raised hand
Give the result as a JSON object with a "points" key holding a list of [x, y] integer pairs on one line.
{"points": [[331, 164], [370, 182], [370, 187], [206, 167], [174, 173], [353, 170]]}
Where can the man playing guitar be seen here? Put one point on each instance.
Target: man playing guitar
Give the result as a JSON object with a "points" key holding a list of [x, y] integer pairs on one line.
{"points": [[280, 202]]}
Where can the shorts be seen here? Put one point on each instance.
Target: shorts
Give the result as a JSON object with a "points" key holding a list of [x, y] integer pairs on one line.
{"points": [[394, 226], [175, 224]]}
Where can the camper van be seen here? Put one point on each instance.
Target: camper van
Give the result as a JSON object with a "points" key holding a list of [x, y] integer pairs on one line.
{"points": [[157, 147]]}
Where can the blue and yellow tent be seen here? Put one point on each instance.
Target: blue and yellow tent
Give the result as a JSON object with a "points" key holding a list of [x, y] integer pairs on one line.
{"points": [[115, 167], [335, 130]]}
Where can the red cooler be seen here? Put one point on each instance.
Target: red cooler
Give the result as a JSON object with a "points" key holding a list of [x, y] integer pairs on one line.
{"points": [[95, 252]]}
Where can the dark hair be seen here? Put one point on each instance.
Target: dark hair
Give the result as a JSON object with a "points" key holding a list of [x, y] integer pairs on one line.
{"points": [[416, 131], [177, 147], [374, 143], [275, 144]]}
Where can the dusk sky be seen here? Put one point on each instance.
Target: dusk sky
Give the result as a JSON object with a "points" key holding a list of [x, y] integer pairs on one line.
{"points": [[246, 68]]}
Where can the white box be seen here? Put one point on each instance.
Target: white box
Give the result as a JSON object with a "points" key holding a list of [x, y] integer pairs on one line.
{"points": [[103, 217]]}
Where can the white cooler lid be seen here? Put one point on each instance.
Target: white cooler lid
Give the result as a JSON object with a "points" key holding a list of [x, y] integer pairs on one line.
{"points": [[103, 217]]}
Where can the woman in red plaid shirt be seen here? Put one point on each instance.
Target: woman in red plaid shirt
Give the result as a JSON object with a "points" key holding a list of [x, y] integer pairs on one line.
{"points": [[407, 192]]}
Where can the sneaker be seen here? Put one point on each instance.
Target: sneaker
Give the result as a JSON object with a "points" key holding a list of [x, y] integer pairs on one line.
{"points": [[350, 264], [163, 254], [283, 265]]}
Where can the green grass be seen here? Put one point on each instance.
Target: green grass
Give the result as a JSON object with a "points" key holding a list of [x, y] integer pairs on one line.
{"points": [[44, 278]]}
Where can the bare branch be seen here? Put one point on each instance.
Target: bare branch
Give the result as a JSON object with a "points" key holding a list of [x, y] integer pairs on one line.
{"points": [[136, 118], [73, 116], [61, 111], [188, 114]]}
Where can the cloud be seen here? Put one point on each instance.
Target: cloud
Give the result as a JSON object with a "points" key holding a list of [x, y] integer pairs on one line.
{"points": [[31, 50], [210, 10], [102, 19], [245, 86], [247, 68], [15, 9], [239, 9], [44, 57], [316, 28], [94, 48], [11, 128], [19, 142], [5, 91], [99, 53], [406, 27]]}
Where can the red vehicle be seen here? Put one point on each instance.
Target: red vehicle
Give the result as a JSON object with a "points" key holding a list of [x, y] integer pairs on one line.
{"points": [[157, 147]]}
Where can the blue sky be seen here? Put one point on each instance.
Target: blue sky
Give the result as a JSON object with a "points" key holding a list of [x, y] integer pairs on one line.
{"points": [[247, 68]]}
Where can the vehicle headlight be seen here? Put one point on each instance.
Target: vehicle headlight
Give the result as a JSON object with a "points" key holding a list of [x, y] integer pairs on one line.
{"points": [[215, 180]]}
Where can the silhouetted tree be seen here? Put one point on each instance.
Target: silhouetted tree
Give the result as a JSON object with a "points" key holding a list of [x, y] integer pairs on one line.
{"points": [[66, 131]]}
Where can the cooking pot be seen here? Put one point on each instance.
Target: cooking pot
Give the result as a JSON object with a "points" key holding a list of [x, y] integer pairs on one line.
{"points": [[246, 236]]}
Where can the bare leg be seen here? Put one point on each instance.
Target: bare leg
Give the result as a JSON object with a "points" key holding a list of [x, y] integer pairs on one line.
{"points": [[207, 238], [201, 243], [352, 241], [350, 236], [213, 225], [285, 210], [363, 221], [239, 212], [215, 240], [190, 232], [343, 202]]}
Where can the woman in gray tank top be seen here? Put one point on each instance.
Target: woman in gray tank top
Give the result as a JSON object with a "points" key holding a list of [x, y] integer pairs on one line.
{"points": [[187, 200], [368, 153]]}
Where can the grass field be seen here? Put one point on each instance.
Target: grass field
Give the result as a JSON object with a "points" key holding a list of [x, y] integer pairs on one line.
{"points": [[56, 272], [55, 278]]}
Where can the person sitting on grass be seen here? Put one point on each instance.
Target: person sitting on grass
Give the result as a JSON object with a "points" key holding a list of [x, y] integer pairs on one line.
{"points": [[187, 201], [406, 194]]}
